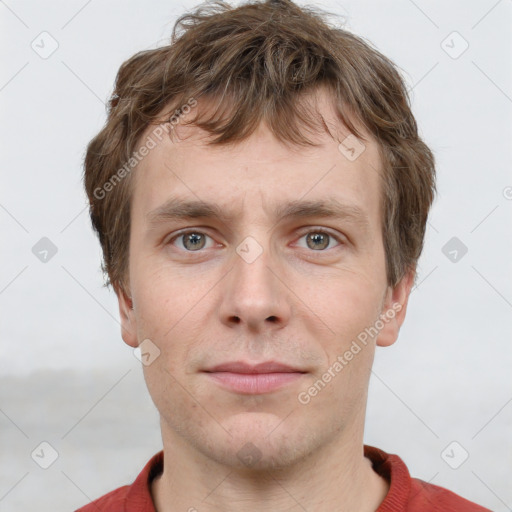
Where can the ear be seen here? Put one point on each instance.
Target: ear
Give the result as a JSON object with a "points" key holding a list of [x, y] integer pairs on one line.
{"points": [[127, 315], [394, 309]]}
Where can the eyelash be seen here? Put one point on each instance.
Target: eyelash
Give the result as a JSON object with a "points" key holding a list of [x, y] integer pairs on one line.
{"points": [[310, 230]]}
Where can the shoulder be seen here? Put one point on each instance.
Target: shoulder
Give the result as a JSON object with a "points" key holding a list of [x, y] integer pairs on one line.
{"points": [[425, 496], [113, 501], [408, 494], [130, 498]]}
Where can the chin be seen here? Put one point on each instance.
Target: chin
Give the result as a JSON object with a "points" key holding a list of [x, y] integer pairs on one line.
{"points": [[261, 442]]}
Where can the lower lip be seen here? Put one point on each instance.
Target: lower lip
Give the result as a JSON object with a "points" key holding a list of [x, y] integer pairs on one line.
{"points": [[254, 383]]}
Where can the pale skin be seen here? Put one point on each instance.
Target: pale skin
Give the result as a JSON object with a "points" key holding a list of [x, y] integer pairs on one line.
{"points": [[298, 303]]}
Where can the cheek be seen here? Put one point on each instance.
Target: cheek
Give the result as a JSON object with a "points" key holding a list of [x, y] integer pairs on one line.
{"points": [[345, 302], [172, 319], [165, 300]]}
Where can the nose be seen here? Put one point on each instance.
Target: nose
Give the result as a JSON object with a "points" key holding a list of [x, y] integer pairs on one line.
{"points": [[253, 293]]}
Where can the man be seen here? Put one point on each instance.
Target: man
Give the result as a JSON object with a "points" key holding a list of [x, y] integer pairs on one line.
{"points": [[260, 193]]}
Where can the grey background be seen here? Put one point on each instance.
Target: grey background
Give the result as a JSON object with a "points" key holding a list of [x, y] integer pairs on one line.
{"points": [[67, 378]]}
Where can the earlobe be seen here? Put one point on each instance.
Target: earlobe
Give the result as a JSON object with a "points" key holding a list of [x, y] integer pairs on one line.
{"points": [[127, 316], [394, 309]]}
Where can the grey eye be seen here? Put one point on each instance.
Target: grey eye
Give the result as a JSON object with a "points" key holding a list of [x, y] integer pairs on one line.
{"points": [[317, 240], [193, 241]]}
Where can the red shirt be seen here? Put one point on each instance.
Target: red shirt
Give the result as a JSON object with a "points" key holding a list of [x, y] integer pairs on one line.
{"points": [[405, 494]]}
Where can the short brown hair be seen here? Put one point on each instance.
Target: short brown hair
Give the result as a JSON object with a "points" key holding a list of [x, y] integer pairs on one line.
{"points": [[259, 59]]}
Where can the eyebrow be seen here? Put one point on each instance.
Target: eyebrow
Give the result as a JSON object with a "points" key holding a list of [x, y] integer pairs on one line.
{"points": [[185, 209]]}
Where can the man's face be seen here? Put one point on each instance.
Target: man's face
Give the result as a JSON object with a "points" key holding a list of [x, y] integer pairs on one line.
{"points": [[255, 287]]}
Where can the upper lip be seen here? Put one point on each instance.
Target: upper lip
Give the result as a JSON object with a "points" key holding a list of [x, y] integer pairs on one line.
{"points": [[243, 367]]}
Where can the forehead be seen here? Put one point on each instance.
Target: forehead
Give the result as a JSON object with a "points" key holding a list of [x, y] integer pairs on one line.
{"points": [[261, 173]]}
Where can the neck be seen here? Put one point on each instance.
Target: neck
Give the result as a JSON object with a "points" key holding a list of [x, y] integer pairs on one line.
{"points": [[335, 477]]}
